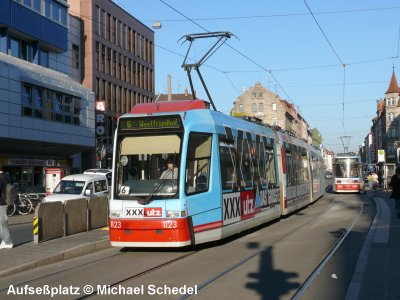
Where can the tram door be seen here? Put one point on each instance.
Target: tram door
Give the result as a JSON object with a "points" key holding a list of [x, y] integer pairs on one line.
{"points": [[201, 196]]}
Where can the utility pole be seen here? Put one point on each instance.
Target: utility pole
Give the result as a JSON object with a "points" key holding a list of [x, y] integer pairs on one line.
{"points": [[345, 142]]}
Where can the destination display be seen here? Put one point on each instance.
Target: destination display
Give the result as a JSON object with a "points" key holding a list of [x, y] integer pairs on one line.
{"points": [[150, 123]]}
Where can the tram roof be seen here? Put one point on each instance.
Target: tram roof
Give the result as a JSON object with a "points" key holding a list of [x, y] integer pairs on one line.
{"points": [[169, 106]]}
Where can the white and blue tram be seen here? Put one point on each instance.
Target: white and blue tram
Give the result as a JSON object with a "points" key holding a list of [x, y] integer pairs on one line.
{"points": [[225, 175]]}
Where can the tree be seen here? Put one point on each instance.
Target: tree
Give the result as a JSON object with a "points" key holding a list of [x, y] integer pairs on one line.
{"points": [[316, 138]]}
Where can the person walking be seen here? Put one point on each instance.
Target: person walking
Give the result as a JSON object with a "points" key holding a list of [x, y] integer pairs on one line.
{"points": [[395, 185], [6, 242], [371, 180]]}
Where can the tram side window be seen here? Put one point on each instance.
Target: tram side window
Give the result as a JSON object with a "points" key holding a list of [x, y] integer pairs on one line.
{"points": [[304, 166], [227, 154], [198, 163], [262, 165], [271, 171], [290, 167], [245, 160]]}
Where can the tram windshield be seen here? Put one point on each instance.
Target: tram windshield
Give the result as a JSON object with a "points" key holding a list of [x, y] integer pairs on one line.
{"points": [[348, 168], [148, 167]]}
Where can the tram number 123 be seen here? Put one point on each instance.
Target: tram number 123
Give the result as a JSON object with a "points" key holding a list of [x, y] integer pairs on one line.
{"points": [[169, 224], [115, 224]]}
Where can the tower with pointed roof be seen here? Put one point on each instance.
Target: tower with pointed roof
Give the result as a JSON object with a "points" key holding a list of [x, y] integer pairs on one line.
{"points": [[386, 129], [393, 87]]}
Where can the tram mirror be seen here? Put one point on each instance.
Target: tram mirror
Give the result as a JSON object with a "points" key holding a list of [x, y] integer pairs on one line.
{"points": [[123, 160]]}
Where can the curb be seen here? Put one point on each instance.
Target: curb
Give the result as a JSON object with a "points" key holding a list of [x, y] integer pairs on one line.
{"points": [[61, 256]]}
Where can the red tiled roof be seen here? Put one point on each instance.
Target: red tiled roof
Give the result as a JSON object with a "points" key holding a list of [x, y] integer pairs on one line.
{"points": [[393, 87]]}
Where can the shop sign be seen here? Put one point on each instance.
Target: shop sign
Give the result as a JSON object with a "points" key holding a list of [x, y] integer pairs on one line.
{"points": [[100, 122], [381, 155], [35, 162]]}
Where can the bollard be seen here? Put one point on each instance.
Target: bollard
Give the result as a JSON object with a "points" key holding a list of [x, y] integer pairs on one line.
{"points": [[36, 230]]}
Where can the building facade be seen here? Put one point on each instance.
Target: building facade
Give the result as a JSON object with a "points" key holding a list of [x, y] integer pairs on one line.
{"points": [[118, 64], [261, 103], [385, 127], [47, 117]]}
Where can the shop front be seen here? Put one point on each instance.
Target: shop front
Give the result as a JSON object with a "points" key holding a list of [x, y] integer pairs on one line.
{"points": [[29, 175]]}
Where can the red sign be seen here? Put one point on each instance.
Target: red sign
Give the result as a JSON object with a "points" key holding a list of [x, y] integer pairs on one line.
{"points": [[248, 204], [153, 212]]}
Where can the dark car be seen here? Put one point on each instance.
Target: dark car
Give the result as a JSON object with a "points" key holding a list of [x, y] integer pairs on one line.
{"points": [[328, 175]]}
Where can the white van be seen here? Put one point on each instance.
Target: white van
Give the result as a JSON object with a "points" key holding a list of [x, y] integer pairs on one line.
{"points": [[79, 186], [106, 172]]}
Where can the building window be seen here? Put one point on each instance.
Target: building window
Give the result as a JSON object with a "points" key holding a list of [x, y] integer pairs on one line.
{"points": [[26, 98], [96, 20], [114, 30], [108, 27], [55, 12], [36, 5], [109, 51], [64, 16], [261, 106], [41, 103], [14, 47], [97, 55], [273, 106], [101, 23], [103, 58], [44, 58], [75, 56], [26, 52], [275, 121], [253, 95], [254, 107], [241, 107], [37, 95], [119, 33], [391, 117], [124, 37], [47, 10]]}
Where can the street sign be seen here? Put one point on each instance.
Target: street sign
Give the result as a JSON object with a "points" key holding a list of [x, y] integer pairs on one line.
{"points": [[381, 155]]}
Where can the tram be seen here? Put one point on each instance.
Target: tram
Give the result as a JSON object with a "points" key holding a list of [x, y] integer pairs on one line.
{"points": [[348, 173], [224, 175]]}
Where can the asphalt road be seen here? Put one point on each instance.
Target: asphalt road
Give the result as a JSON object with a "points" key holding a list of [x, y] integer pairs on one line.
{"points": [[269, 263]]}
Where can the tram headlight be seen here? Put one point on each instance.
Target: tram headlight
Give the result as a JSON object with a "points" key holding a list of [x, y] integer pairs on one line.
{"points": [[172, 214], [115, 214]]}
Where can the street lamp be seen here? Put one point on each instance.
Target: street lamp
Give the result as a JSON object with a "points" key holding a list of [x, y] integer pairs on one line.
{"points": [[156, 25]]}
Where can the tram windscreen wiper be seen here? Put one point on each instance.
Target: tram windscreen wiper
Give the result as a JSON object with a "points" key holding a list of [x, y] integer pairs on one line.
{"points": [[155, 191]]}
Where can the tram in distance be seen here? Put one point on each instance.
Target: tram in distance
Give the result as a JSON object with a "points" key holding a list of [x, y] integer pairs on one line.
{"points": [[347, 173], [184, 175]]}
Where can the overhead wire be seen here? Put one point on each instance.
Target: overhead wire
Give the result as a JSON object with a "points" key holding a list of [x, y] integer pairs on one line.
{"points": [[340, 60], [234, 49], [284, 15]]}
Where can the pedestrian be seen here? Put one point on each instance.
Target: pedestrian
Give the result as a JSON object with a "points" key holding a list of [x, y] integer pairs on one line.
{"points": [[6, 242], [380, 178], [371, 180], [395, 185]]}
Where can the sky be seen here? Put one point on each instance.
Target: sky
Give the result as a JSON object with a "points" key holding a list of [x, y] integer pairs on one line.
{"points": [[333, 63]]}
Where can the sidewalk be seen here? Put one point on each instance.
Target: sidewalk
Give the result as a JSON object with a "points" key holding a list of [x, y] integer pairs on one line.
{"points": [[377, 274], [29, 255]]}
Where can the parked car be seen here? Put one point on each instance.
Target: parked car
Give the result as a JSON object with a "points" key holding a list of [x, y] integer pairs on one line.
{"points": [[106, 172], [79, 186]]}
